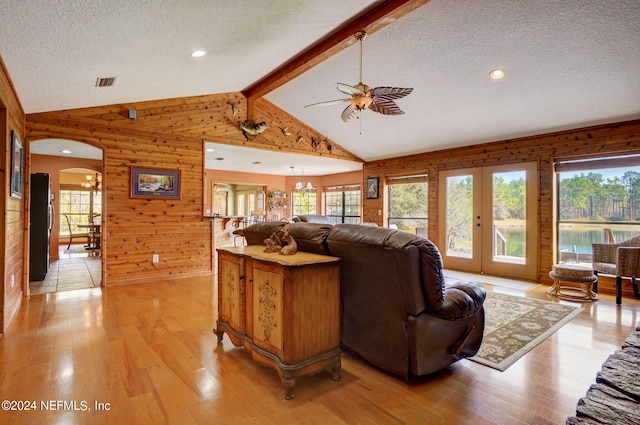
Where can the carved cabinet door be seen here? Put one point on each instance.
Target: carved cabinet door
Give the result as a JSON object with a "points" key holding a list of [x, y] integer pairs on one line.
{"points": [[231, 291], [268, 291]]}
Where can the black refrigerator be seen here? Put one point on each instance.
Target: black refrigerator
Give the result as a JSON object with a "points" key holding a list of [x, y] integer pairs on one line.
{"points": [[40, 223]]}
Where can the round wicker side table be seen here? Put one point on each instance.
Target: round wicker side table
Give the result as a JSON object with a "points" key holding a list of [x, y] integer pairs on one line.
{"points": [[575, 273]]}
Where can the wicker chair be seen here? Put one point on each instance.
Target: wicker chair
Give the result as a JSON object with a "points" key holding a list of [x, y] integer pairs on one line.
{"points": [[621, 260]]}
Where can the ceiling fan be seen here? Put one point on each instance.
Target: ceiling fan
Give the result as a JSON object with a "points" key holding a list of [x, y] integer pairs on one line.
{"points": [[379, 99]]}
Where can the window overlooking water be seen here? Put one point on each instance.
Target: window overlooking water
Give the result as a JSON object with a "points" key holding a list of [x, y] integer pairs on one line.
{"points": [[597, 199]]}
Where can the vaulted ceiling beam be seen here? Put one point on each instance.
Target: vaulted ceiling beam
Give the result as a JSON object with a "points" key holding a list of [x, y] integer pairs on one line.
{"points": [[373, 19]]}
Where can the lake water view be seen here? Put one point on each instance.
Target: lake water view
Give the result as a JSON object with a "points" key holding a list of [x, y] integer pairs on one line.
{"points": [[571, 235], [583, 235]]}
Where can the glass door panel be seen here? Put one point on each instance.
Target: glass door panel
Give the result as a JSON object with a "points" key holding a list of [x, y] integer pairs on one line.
{"points": [[509, 217], [510, 239], [489, 216], [459, 218]]}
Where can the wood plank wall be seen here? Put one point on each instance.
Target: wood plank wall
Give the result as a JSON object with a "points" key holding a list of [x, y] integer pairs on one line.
{"points": [[606, 140], [12, 222], [167, 134]]}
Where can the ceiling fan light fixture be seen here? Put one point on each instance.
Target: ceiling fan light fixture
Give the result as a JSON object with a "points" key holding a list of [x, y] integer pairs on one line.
{"points": [[379, 99], [497, 73]]}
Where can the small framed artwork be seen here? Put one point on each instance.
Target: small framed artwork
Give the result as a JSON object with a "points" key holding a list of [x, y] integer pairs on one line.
{"points": [[17, 156], [372, 188], [154, 183]]}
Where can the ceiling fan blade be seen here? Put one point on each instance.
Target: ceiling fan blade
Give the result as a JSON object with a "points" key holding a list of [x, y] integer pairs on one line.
{"points": [[328, 102], [347, 89], [390, 92], [348, 113], [385, 107]]}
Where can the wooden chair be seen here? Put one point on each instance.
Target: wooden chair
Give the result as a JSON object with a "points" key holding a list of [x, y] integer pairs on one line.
{"points": [[71, 233], [620, 260], [238, 233], [95, 233]]}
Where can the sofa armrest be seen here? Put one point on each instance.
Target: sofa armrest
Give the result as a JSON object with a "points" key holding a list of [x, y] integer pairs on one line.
{"points": [[461, 300]]}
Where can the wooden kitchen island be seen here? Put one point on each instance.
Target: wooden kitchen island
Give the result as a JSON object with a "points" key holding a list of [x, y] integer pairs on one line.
{"points": [[284, 309]]}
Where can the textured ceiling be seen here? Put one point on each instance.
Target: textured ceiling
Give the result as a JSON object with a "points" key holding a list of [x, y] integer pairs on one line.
{"points": [[568, 63]]}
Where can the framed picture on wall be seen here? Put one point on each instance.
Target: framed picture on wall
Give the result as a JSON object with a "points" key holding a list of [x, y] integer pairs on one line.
{"points": [[154, 183], [372, 188], [17, 155]]}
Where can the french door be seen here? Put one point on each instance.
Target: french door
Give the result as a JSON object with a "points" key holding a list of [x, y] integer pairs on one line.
{"points": [[488, 218]]}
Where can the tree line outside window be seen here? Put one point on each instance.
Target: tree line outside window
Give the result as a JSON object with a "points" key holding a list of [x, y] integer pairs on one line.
{"points": [[407, 203], [593, 197], [597, 198], [343, 204]]}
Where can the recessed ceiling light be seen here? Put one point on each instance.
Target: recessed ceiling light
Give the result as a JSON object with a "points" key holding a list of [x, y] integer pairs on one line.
{"points": [[65, 151], [210, 150], [497, 73], [198, 53]]}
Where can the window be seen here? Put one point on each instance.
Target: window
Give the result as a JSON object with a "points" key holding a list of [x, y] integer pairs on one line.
{"points": [[342, 204], [407, 203], [77, 204], [597, 200], [241, 197], [304, 203]]}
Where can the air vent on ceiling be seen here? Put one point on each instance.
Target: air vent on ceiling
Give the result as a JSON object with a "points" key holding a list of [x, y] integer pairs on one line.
{"points": [[105, 81]]}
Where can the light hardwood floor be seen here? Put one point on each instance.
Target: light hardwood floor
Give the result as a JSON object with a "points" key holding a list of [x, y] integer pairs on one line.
{"points": [[147, 352]]}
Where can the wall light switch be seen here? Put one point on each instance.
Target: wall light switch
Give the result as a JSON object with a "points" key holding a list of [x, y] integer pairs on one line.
{"points": [[156, 258]]}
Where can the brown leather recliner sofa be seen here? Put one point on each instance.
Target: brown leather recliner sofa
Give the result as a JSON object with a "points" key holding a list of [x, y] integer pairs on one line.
{"points": [[396, 311], [311, 218]]}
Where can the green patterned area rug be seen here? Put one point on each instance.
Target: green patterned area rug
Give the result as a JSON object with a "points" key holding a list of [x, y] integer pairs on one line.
{"points": [[514, 325]]}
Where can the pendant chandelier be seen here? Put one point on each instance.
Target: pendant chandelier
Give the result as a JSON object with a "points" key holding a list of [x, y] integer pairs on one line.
{"points": [[301, 186], [92, 182]]}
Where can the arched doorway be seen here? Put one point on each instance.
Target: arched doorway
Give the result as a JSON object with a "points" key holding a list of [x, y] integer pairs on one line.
{"points": [[74, 260]]}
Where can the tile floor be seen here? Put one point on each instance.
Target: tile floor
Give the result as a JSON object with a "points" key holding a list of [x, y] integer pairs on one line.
{"points": [[75, 269]]}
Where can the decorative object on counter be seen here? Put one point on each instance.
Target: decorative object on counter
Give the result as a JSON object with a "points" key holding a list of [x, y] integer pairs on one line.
{"points": [[281, 242], [274, 242], [289, 246], [252, 130]]}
